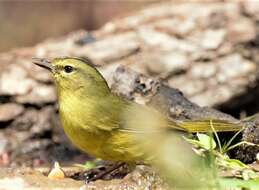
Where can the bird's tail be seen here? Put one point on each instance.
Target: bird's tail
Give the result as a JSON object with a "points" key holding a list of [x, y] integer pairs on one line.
{"points": [[209, 126]]}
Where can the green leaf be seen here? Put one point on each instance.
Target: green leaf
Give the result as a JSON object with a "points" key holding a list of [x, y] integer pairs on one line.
{"points": [[206, 141], [228, 183], [249, 174], [87, 165], [231, 163]]}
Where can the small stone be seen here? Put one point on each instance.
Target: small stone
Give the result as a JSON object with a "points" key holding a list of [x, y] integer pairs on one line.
{"points": [[251, 8], [87, 38], [107, 71], [41, 94], [217, 15], [165, 42], [123, 82], [34, 71], [4, 159], [40, 74], [10, 111], [257, 157], [43, 121], [13, 183], [26, 120], [14, 81], [242, 30], [189, 88], [225, 49], [215, 95], [167, 62], [203, 70], [112, 48], [240, 67], [175, 27], [212, 39], [3, 144], [58, 48], [26, 178]]}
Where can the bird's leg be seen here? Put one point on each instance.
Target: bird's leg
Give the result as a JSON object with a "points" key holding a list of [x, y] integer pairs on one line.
{"points": [[109, 170]]}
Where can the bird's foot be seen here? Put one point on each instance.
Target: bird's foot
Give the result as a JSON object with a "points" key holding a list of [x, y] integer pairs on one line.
{"points": [[107, 172]]}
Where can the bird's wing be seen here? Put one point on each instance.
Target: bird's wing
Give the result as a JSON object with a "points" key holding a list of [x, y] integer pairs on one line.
{"points": [[118, 114], [210, 125], [122, 115]]}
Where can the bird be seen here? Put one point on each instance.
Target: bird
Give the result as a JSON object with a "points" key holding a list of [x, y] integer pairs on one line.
{"points": [[103, 124]]}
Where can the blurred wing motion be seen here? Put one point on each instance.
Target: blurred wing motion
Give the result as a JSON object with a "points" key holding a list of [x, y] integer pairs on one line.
{"points": [[209, 126]]}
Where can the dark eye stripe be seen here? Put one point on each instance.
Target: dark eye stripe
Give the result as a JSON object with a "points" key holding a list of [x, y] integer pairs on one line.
{"points": [[68, 69]]}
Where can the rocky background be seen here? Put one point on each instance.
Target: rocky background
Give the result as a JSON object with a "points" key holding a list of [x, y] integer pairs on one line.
{"points": [[26, 22], [209, 51]]}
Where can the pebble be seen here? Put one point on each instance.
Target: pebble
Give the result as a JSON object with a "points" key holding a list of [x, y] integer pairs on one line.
{"points": [[10, 111]]}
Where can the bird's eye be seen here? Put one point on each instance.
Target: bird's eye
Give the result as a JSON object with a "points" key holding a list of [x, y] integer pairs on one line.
{"points": [[68, 69]]}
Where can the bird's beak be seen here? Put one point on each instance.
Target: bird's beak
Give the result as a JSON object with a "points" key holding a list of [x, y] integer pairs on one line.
{"points": [[44, 63]]}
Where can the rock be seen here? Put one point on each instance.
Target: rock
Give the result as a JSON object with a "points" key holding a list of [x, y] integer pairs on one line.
{"points": [[108, 70], [242, 30], [190, 88], [166, 62], [216, 94], [35, 138], [167, 100], [165, 42], [43, 122], [87, 38], [100, 51], [41, 94], [211, 39], [59, 47], [13, 183], [26, 120], [245, 152], [41, 74], [251, 8], [3, 144], [10, 111], [212, 83], [12, 179], [239, 68], [14, 81], [141, 178], [123, 83], [175, 27], [113, 48], [203, 70], [35, 72]]}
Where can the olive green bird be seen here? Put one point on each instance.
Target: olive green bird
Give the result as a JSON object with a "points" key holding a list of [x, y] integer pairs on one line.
{"points": [[99, 122]]}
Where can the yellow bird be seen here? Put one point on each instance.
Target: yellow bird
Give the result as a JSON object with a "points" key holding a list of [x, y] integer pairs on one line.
{"points": [[99, 122]]}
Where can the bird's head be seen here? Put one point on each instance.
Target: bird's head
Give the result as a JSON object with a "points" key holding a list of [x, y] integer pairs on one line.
{"points": [[71, 74]]}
